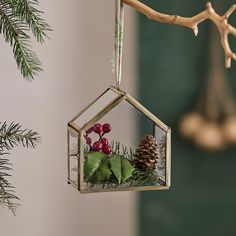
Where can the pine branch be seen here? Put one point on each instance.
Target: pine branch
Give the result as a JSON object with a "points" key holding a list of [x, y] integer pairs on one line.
{"points": [[28, 13], [7, 194], [17, 18], [10, 136], [144, 178], [13, 135], [122, 150], [13, 31]]}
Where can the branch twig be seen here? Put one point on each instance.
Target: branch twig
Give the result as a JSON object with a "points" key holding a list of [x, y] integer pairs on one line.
{"points": [[221, 22]]}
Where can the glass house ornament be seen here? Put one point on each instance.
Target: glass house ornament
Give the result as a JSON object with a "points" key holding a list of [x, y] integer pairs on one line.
{"points": [[102, 157]]}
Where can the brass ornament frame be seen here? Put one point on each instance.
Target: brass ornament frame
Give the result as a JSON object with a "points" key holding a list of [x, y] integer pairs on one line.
{"points": [[80, 131]]}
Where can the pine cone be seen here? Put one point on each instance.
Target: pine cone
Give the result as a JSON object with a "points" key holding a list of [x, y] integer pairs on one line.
{"points": [[146, 155]]}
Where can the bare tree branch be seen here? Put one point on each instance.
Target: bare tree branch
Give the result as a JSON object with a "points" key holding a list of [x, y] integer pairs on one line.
{"points": [[209, 13]]}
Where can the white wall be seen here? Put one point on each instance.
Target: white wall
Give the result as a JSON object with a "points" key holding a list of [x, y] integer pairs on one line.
{"points": [[76, 68]]}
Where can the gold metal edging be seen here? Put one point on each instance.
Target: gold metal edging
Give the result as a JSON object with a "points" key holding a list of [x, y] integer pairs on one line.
{"points": [[104, 111], [118, 91], [89, 105], [141, 108], [137, 189], [146, 112], [74, 126], [68, 153], [168, 158], [81, 162], [73, 184]]}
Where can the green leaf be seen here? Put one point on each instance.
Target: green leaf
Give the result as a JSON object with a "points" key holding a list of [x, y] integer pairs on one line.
{"points": [[127, 169], [121, 168], [103, 172], [92, 163], [116, 166]]}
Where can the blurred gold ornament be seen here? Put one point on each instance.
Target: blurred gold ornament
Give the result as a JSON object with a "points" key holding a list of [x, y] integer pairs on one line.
{"points": [[190, 124], [213, 126], [229, 129], [210, 137]]}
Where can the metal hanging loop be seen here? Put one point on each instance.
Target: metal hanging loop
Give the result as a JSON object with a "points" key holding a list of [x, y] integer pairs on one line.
{"points": [[119, 37]]}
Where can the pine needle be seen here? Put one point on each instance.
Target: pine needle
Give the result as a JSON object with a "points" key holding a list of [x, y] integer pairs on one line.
{"points": [[7, 193], [11, 136], [17, 19]]}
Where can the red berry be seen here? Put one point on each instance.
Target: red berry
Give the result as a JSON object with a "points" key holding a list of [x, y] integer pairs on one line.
{"points": [[97, 146], [106, 128], [90, 130], [97, 128], [88, 140], [107, 150], [104, 142]]}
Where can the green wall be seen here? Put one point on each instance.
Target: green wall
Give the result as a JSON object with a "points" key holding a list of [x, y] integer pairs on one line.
{"points": [[172, 66]]}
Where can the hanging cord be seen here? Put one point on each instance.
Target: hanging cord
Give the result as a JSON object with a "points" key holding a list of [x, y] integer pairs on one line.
{"points": [[119, 37]]}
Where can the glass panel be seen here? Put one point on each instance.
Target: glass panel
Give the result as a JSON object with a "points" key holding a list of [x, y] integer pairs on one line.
{"points": [[73, 168], [73, 142], [73, 150], [96, 107], [161, 138]]}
